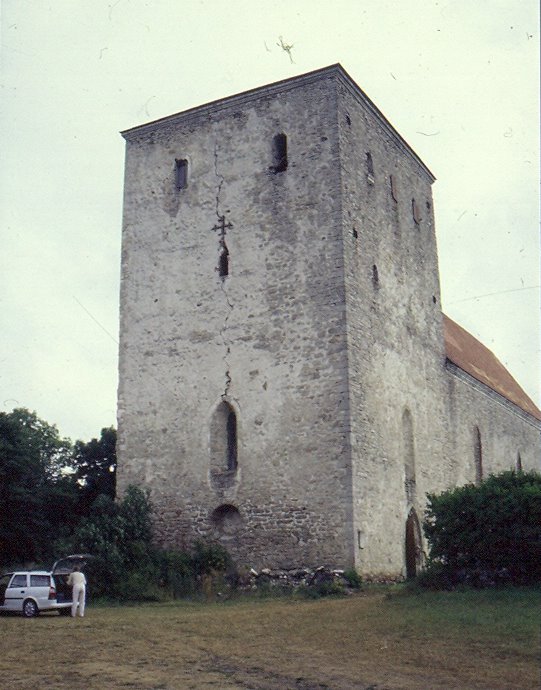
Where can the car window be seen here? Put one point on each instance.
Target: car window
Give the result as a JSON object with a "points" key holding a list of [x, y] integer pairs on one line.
{"points": [[18, 581], [39, 581]]}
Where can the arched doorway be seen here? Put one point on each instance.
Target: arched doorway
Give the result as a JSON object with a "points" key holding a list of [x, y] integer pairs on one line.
{"points": [[413, 545]]}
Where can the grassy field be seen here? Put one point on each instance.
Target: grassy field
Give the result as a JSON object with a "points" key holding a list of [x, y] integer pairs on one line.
{"points": [[374, 640]]}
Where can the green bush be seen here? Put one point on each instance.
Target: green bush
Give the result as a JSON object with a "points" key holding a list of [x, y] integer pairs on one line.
{"points": [[177, 575], [353, 578], [127, 566], [209, 558], [487, 534]]}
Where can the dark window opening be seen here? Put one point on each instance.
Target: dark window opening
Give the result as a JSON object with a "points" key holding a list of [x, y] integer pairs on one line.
{"points": [[369, 164], [355, 233], [348, 120], [223, 265], [279, 153], [519, 463], [369, 169], [181, 173], [415, 211], [231, 428], [375, 276]]}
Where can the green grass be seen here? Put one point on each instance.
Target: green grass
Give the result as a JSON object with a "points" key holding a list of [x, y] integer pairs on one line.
{"points": [[385, 637]]}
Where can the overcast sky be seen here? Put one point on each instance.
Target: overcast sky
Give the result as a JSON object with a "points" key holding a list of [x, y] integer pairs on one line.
{"points": [[457, 78]]}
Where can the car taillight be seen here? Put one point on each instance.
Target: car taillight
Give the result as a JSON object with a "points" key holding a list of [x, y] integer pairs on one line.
{"points": [[52, 593]]}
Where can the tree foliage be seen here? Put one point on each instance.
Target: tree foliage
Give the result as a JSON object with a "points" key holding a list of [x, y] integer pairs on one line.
{"points": [[94, 464], [37, 500], [47, 485], [487, 533]]}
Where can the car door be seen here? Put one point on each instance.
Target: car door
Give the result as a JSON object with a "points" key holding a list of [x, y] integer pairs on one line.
{"points": [[16, 592], [40, 586]]}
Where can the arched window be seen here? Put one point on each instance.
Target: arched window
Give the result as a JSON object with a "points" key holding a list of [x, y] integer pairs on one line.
{"points": [[519, 463], [181, 173], [408, 449], [223, 262], [223, 444], [478, 455]]}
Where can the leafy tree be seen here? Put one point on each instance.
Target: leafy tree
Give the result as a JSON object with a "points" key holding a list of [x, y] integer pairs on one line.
{"points": [[36, 499], [487, 533], [95, 468]]}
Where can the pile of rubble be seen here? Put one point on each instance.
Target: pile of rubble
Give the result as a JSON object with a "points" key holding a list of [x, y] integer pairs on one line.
{"points": [[291, 580]]}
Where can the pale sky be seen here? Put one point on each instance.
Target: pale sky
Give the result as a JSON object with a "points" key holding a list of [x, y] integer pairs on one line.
{"points": [[458, 79]]}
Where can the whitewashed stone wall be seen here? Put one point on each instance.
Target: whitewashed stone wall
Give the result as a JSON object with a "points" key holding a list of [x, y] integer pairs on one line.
{"points": [[324, 336]]}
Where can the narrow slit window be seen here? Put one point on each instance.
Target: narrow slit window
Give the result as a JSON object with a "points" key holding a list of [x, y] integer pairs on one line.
{"points": [[223, 266], [478, 455], [231, 441], [394, 191], [181, 173], [369, 164], [279, 153], [416, 212]]}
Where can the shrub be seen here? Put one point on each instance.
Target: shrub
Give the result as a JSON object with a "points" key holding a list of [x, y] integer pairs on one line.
{"points": [[177, 574], [488, 534], [210, 558], [353, 578]]}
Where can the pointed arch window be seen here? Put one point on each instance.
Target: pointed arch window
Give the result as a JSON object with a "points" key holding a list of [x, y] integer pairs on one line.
{"points": [[223, 445]]}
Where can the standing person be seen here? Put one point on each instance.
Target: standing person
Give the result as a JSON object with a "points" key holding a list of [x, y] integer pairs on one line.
{"points": [[78, 581]]}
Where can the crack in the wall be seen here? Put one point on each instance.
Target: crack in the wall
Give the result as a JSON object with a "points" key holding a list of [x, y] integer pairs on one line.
{"points": [[223, 268]]}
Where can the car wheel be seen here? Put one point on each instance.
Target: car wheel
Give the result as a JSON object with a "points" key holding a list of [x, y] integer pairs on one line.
{"points": [[30, 609]]}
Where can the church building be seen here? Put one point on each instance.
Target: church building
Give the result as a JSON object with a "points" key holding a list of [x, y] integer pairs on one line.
{"points": [[289, 385]]}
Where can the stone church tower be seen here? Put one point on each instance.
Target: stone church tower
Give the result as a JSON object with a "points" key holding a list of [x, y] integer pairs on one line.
{"points": [[284, 382]]}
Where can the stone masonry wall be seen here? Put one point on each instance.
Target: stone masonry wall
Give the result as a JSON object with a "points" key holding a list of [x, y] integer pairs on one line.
{"points": [[395, 335], [297, 312], [505, 431], [268, 338]]}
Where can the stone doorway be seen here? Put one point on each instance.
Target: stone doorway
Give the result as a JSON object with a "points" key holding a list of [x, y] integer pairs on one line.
{"points": [[413, 545]]}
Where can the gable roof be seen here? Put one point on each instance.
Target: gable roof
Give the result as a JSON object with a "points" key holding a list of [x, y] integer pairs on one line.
{"points": [[470, 355]]}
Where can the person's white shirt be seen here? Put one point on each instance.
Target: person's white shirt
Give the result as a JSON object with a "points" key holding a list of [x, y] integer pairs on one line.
{"points": [[76, 578]]}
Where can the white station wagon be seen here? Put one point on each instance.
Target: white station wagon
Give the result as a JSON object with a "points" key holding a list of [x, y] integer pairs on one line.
{"points": [[31, 591]]}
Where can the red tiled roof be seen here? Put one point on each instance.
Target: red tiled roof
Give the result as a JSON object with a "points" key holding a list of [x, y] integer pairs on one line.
{"points": [[473, 357]]}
